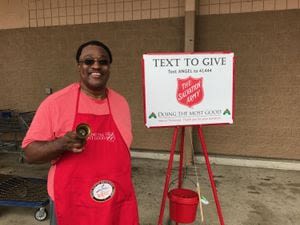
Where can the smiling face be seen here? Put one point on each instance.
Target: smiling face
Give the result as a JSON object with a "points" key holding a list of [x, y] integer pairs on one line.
{"points": [[94, 69]]}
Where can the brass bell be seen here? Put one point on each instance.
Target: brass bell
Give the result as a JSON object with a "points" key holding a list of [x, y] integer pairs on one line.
{"points": [[83, 130]]}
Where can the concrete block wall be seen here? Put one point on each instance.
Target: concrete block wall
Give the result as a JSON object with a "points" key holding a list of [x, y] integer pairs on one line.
{"points": [[215, 7], [41, 13], [267, 50], [45, 57], [267, 72]]}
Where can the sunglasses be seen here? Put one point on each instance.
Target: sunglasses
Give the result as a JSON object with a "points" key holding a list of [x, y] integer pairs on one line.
{"points": [[90, 62]]}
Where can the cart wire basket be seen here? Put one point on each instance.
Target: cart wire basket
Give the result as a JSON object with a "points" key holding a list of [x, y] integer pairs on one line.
{"points": [[25, 192], [13, 127]]}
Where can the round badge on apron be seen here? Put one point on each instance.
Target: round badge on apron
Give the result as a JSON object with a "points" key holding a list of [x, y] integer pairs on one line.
{"points": [[102, 191]]}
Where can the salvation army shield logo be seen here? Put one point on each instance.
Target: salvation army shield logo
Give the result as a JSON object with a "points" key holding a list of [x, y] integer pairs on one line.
{"points": [[189, 91]]}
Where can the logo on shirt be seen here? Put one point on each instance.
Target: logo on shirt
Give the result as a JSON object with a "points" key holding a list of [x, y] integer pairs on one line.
{"points": [[102, 136]]}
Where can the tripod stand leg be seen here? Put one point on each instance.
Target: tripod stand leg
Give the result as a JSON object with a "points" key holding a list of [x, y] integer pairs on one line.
{"points": [[210, 174], [181, 157], [163, 202]]}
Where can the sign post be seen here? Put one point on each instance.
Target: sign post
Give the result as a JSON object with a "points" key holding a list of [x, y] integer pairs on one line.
{"points": [[188, 89]]}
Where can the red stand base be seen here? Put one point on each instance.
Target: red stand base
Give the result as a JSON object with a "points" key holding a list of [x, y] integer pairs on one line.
{"points": [[169, 169]]}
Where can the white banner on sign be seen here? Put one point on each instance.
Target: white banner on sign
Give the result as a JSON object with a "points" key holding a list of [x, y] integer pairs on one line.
{"points": [[188, 89]]}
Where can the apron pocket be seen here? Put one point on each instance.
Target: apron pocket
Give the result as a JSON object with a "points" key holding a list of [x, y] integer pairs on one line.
{"points": [[99, 193]]}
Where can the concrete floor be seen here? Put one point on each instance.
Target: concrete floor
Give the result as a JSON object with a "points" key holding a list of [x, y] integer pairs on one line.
{"points": [[248, 196]]}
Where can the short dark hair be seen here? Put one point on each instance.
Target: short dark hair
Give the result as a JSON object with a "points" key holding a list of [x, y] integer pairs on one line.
{"points": [[93, 42]]}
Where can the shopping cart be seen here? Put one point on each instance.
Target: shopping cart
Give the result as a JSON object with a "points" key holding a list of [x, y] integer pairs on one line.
{"points": [[24, 192], [13, 127]]}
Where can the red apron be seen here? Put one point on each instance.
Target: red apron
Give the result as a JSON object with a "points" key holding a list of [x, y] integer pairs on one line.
{"points": [[94, 187]]}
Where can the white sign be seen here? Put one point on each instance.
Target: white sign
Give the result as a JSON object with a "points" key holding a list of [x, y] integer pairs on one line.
{"points": [[188, 88]]}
